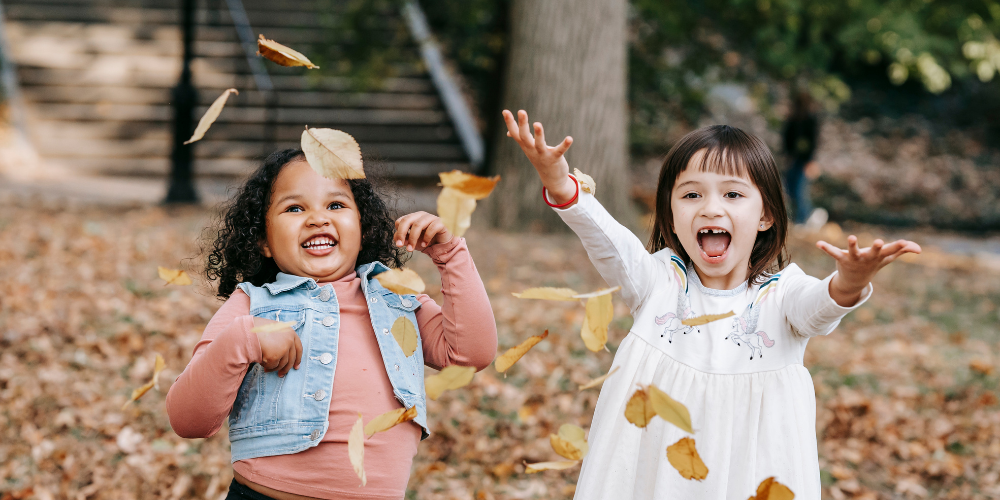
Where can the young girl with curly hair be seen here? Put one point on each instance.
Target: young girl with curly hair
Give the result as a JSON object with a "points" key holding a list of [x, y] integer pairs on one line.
{"points": [[296, 247]]}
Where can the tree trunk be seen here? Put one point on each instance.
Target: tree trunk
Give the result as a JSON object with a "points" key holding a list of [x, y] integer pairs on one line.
{"points": [[566, 68]]}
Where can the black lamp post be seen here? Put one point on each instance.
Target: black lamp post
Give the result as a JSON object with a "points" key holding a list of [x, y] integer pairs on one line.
{"points": [[185, 98]]}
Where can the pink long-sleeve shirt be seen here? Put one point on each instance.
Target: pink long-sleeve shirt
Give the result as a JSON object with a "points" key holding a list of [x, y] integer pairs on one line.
{"points": [[461, 332]]}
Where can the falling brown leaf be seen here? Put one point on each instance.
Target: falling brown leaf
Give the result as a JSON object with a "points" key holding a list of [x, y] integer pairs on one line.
{"points": [[332, 153], [669, 409], [543, 466], [707, 318], [598, 293], [405, 334], [455, 210], [279, 54], [468, 184], [571, 442], [402, 281], [449, 378], [272, 327], [174, 276], [356, 449], [507, 359], [158, 367], [770, 489], [599, 380], [600, 312], [390, 419], [638, 410], [684, 457], [548, 293], [210, 116], [981, 367], [587, 183]]}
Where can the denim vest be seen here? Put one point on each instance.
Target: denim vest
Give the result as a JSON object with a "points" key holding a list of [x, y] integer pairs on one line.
{"points": [[281, 416]]}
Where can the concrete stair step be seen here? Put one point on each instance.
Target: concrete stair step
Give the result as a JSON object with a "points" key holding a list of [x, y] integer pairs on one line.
{"points": [[208, 167]]}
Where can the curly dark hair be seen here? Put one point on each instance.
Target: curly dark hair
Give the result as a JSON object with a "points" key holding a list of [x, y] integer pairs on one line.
{"points": [[236, 256]]}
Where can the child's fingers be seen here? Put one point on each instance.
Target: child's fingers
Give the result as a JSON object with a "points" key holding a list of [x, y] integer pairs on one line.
{"points": [[892, 248], [435, 228], [831, 250], [563, 146], [524, 130], [540, 146], [852, 246], [512, 128], [298, 352], [876, 249], [403, 228], [417, 229]]}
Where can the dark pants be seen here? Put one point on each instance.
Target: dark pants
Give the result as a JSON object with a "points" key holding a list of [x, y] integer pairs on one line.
{"points": [[797, 185], [239, 492]]}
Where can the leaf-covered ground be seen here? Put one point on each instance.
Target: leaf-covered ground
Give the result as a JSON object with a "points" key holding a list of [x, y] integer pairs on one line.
{"points": [[907, 401]]}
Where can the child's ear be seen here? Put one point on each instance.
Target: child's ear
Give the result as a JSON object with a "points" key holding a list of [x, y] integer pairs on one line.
{"points": [[265, 250], [765, 223]]}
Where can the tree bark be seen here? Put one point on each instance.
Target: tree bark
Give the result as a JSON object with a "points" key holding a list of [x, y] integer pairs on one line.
{"points": [[566, 68]]}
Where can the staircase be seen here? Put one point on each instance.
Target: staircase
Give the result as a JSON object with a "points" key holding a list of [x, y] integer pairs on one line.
{"points": [[97, 75]]}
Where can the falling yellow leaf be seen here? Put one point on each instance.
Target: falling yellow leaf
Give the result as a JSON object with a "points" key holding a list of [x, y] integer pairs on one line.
{"points": [[405, 334], [272, 327], [571, 442], [356, 448], [587, 183], [279, 54], [402, 281], [455, 210], [390, 419], [599, 380], [598, 293], [449, 378], [468, 184], [600, 312], [684, 457], [174, 276], [547, 293], [638, 410], [769, 489], [507, 359], [158, 367], [669, 409], [542, 466], [332, 153], [708, 318], [210, 116]]}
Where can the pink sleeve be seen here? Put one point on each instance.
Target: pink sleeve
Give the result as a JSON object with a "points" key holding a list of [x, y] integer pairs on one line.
{"points": [[463, 331], [203, 395]]}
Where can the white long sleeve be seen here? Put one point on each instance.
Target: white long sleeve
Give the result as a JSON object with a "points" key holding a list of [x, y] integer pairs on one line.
{"points": [[808, 306]]}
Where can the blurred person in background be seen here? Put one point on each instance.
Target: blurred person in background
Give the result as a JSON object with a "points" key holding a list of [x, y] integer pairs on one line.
{"points": [[800, 135]]}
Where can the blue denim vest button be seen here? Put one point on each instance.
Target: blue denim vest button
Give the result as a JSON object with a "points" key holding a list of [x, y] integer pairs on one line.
{"points": [[374, 300], [328, 321], [325, 358], [385, 330], [324, 295], [314, 435], [406, 302], [319, 395]]}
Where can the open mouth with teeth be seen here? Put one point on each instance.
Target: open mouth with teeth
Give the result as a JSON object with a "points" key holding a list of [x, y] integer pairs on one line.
{"points": [[319, 245], [714, 244]]}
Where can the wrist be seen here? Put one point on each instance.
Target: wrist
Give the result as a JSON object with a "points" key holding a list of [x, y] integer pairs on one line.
{"points": [[563, 190]]}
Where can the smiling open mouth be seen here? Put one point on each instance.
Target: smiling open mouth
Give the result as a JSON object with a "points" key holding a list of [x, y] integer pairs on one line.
{"points": [[319, 244], [714, 242]]}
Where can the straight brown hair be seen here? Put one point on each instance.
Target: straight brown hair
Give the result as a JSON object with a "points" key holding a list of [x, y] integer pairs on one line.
{"points": [[727, 151]]}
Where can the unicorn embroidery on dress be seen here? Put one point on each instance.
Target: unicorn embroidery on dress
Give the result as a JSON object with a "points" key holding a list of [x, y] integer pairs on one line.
{"points": [[673, 320], [745, 325]]}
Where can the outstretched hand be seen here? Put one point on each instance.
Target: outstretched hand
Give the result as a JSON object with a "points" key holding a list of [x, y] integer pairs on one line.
{"points": [[550, 162], [857, 266]]}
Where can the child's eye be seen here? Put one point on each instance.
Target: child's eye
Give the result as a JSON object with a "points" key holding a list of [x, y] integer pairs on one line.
{"points": [[733, 195], [690, 195], [294, 208], [335, 205]]}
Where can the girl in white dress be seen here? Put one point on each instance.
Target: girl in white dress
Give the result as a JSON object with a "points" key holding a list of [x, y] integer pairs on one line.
{"points": [[718, 245]]}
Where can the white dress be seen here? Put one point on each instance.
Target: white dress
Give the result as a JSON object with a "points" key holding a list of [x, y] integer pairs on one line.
{"points": [[752, 402]]}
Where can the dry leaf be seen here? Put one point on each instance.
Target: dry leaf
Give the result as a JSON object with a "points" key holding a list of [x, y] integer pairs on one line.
{"points": [[210, 116], [600, 312], [684, 457], [405, 334], [598, 293], [174, 276], [571, 442], [390, 419], [449, 378], [548, 293], [507, 359], [981, 367], [707, 318], [669, 409], [455, 210], [279, 54], [401, 281], [158, 367], [332, 153], [272, 327], [769, 489], [356, 449], [599, 380], [542, 466], [587, 183], [468, 184], [638, 410]]}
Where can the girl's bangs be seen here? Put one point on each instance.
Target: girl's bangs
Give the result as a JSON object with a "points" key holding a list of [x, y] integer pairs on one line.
{"points": [[721, 160]]}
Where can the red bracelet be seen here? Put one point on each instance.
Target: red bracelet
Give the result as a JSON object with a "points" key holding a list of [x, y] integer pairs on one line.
{"points": [[545, 195]]}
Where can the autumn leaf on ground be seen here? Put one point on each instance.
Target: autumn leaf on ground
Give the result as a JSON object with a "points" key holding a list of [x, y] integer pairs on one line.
{"points": [[405, 334], [279, 54], [457, 200], [598, 293], [390, 419], [470, 185], [449, 378], [356, 449], [543, 466], [707, 318], [332, 153], [600, 312], [174, 276], [587, 183], [401, 281], [981, 367], [684, 457], [638, 410], [669, 409], [770, 489], [210, 116], [272, 327], [158, 367], [571, 442], [548, 293], [599, 380], [507, 359]]}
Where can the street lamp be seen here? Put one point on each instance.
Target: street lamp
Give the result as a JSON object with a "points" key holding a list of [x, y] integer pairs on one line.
{"points": [[185, 98]]}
